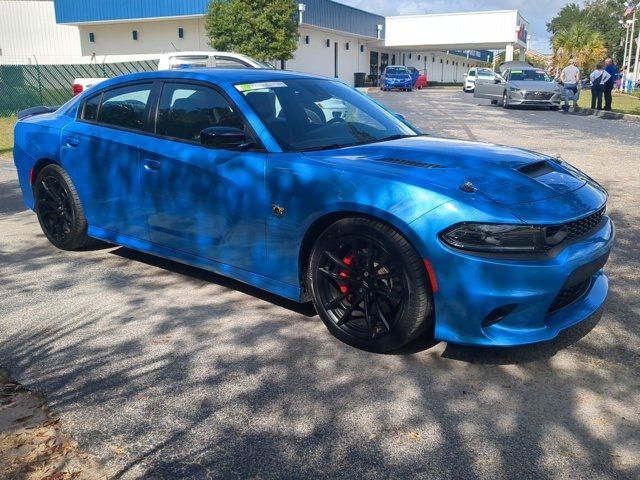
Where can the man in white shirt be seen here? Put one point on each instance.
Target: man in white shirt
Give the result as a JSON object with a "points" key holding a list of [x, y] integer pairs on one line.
{"points": [[598, 78], [570, 78]]}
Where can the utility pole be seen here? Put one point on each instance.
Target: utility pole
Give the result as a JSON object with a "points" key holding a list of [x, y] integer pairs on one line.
{"points": [[633, 31]]}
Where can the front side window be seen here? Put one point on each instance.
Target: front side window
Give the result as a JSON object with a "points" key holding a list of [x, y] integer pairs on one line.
{"points": [[125, 107], [472, 73], [485, 73], [314, 114], [90, 108], [185, 110]]}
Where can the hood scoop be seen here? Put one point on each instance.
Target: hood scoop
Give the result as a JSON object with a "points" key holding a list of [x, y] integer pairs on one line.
{"points": [[409, 163], [536, 169]]}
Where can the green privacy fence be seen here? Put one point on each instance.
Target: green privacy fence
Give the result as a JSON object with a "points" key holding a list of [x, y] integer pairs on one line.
{"points": [[24, 86]]}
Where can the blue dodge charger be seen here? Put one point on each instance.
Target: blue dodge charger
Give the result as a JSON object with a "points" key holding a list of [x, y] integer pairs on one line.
{"points": [[391, 234]]}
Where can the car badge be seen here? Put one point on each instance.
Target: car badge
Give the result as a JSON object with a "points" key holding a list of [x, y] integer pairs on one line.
{"points": [[277, 210], [468, 187]]}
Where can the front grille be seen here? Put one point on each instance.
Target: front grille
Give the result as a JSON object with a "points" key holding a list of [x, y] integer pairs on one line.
{"points": [[563, 233], [409, 163], [538, 96], [569, 295]]}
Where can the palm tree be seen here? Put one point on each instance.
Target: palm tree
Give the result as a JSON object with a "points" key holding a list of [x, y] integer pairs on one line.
{"points": [[581, 42]]}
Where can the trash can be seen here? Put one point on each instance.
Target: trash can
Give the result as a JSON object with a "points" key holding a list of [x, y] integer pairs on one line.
{"points": [[359, 78]]}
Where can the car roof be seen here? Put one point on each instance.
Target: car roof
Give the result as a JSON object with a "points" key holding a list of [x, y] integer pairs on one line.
{"points": [[215, 75]]}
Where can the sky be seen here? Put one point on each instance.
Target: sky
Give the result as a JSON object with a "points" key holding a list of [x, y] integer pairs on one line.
{"points": [[536, 12]]}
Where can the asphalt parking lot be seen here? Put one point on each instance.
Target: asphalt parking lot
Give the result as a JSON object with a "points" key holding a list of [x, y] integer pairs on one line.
{"points": [[165, 371]]}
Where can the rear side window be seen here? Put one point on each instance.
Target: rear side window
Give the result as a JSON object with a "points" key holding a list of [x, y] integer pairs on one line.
{"points": [[90, 108], [229, 62], [185, 110], [125, 106]]}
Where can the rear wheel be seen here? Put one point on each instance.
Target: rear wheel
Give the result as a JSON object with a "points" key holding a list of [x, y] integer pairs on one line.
{"points": [[369, 285], [59, 209]]}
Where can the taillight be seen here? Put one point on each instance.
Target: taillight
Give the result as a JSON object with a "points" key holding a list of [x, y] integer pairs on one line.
{"points": [[77, 89]]}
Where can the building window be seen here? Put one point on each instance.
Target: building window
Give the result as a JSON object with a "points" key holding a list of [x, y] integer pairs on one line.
{"points": [[409, 54], [92, 37], [433, 59], [346, 46], [306, 39], [447, 62], [418, 57], [361, 48], [180, 32], [328, 43], [134, 34]]}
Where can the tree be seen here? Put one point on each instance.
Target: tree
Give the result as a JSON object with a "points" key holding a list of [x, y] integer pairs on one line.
{"points": [[600, 16], [265, 30], [581, 42]]}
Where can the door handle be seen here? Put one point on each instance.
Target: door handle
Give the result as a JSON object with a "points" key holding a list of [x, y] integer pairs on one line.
{"points": [[72, 141], [150, 164]]}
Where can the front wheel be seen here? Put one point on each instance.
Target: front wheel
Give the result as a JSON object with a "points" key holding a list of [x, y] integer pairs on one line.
{"points": [[369, 285], [505, 100], [59, 210]]}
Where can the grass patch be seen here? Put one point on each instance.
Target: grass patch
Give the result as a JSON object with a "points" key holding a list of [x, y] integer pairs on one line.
{"points": [[621, 103], [6, 136]]}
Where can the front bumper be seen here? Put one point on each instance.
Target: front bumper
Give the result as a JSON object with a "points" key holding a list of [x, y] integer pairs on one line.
{"points": [[475, 290], [404, 84], [521, 99]]}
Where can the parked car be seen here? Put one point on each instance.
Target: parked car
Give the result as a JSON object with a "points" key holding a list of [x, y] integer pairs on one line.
{"points": [[180, 60], [521, 86], [391, 234], [470, 77], [396, 77], [421, 82], [415, 73]]}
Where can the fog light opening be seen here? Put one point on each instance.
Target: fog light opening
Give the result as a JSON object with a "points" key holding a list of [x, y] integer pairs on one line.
{"points": [[497, 315]]}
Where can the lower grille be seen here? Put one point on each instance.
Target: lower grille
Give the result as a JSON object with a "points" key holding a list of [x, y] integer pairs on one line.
{"points": [[569, 295], [538, 96]]}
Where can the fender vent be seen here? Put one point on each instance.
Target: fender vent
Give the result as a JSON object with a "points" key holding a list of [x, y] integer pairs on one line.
{"points": [[409, 163]]}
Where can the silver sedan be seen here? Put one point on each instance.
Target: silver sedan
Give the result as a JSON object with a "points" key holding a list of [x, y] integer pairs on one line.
{"points": [[526, 86]]}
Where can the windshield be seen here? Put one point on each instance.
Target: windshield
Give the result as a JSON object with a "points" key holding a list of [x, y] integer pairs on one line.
{"points": [[397, 71], [529, 75], [315, 114]]}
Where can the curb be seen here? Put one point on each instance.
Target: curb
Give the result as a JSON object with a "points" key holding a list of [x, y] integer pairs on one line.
{"points": [[607, 115]]}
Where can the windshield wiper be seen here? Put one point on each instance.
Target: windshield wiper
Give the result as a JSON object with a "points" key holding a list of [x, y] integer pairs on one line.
{"points": [[322, 147]]}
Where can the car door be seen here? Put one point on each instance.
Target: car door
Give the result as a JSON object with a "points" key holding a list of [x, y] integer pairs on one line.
{"points": [[203, 201], [488, 85], [100, 152]]}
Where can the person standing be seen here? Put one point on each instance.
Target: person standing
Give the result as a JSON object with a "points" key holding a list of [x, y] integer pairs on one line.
{"points": [[611, 69], [599, 78], [570, 78]]}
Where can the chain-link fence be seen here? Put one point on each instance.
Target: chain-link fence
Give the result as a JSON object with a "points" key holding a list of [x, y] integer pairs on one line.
{"points": [[24, 86]]}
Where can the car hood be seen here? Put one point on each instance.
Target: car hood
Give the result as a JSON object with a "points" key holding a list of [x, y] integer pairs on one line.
{"points": [[505, 175], [535, 86]]}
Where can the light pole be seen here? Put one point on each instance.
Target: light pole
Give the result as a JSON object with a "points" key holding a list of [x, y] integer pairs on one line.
{"points": [[631, 8]]}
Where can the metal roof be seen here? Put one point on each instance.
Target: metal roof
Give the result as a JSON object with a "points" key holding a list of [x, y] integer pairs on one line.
{"points": [[320, 13]]}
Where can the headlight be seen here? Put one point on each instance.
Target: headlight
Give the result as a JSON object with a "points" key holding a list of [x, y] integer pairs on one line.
{"points": [[501, 238], [514, 89]]}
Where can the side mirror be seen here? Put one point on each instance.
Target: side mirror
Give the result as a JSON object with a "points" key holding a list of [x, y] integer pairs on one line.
{"points": [[464, 74], [223, 137], [498, 80]]}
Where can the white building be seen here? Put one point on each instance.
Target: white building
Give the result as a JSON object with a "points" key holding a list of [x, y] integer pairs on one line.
{"points": [[335, 39]]}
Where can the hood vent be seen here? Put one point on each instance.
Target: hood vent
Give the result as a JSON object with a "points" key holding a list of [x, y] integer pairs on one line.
{"points": [[536, 169], [409, 163]]}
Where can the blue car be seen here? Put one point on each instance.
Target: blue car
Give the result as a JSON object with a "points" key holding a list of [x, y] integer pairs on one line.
{"points": [[391, 234], [394, 77]]}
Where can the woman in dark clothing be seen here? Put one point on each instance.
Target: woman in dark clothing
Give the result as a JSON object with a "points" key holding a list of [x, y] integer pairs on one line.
{"points": [[598, 78]]}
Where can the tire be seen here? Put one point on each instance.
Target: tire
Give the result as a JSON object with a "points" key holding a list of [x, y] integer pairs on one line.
{"points": [[555, 108], [504, 100], [494, 102], [378, 315], [59, 210]]}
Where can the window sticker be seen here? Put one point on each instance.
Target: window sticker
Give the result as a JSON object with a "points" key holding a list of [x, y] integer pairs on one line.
{"points": [[516, 71], [247, 87]]}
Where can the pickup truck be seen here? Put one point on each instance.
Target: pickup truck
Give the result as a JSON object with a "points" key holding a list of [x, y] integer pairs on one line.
{"points": [[176, 60]]}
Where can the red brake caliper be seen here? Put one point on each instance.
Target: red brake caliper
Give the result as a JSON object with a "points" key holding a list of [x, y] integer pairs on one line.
{"points": [[344, 274]]}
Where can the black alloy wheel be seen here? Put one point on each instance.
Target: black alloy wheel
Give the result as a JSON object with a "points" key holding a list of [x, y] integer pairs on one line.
{"points": [[59, 210], [369, 285]]}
